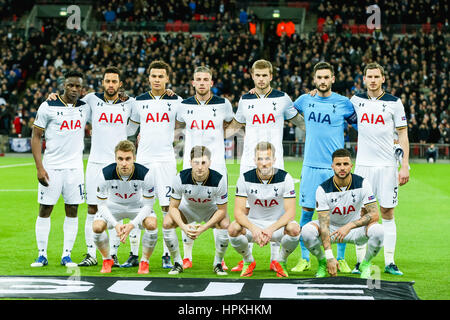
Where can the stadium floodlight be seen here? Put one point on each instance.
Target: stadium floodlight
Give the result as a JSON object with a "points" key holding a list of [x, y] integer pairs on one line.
{"points": [[276, 13], [63, 11]]}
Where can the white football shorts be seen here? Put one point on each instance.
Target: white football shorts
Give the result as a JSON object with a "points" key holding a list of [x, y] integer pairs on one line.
{"points": [[66, 182]]}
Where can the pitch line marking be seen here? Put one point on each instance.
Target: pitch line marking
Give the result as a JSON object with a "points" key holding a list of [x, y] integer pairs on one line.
{"points": [[16, 165]]}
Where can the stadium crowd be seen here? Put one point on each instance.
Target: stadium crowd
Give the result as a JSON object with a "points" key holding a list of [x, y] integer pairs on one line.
{"points": [[416, 65]]}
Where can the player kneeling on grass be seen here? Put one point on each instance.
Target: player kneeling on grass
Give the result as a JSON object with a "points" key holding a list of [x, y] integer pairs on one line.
{"points": [[338, 205], [270, 193], [125, 190], [198, 194]]}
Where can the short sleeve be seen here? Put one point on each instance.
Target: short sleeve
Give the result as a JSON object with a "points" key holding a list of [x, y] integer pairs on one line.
{"points": [[399, 114], [148, 187], [350, 113], [239, 116], [228, 111], [367, 193], [102, 188], [134, 116], [321, 200], [241, 188], [177, 192], [289, 109], [222, 192], [41, 120], [289, 187], [298, 104]]}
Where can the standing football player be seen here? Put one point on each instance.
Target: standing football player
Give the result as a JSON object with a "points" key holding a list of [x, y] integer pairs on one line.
{"points": [[326, 114], [155, 112], [380, 116], [204, 116], [60, 172]]}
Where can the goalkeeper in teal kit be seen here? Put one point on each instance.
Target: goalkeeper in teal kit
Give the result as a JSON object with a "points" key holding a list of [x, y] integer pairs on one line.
{"points": [[325, 114]]}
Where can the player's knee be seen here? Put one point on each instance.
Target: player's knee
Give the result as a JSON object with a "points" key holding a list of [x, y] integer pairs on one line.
{"points": [[309, 232], [71, 210], [168, 222], [92, 209], [150, 223], [98, 226], [234, 229], [45, 210], [387, 213], [293, 229], [375, 232]]}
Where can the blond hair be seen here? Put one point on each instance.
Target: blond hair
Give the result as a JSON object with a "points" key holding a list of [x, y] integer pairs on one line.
{"points": [[262, 64]]}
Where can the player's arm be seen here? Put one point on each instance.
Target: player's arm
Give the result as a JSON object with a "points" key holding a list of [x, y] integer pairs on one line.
{"points": [[403, 175], [232, 128], [324, 222], [298, 121], [218, 216], [36, 149]]}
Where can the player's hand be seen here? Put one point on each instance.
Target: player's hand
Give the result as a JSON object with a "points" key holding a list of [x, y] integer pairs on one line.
{"points": [[43, 177], [252, 91], [341, 233], [138, 138], [332, 267], [403, 175], [170, 92], [124, 231], [123, 95], [266, 236], [258, 236], [52, 96], [192, 230], [313, 92]]}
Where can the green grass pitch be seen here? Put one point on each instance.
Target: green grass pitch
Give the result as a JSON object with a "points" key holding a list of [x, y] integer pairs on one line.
{"points": [[422, 218]]}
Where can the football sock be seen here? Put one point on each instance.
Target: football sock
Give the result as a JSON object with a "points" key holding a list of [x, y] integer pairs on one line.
{"points": [[274, 250], [171, 239], [240, 243], [88, 235], [311, 239], [306, 217], [221, 241], [135, 239], [165, 249], [114, 242], [149, 240], [188, 243], [390, 237], [288, 245], [360, 252], [375, 243], [70, 229], [102, 243], [341, 251], [42, 230]]}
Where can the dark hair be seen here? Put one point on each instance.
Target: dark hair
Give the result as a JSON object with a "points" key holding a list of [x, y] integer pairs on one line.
{"points": [[158, 64], [72, 74], [323, 65], [112, 70], [200, 151], [341, 153], [373, 65]]}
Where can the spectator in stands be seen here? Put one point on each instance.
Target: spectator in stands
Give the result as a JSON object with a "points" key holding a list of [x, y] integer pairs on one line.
{"points": [[431, 154]]}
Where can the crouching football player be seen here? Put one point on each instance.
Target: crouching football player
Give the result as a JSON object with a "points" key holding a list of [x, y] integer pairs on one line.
{"points": [[270, 193], [125, 190], [198, 194], [338, 203]]}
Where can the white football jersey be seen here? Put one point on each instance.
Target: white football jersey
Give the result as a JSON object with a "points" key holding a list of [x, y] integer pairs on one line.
{"points": [[377, 120], [264, 121], [156, 117], [130, 192], [200, 199], [64, 126], [109, 121], [265, 198], [344, 204], [204, 127]]}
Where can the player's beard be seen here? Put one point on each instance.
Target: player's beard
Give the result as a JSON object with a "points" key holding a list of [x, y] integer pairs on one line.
{"points": [[108, 95], [328, 88]]}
